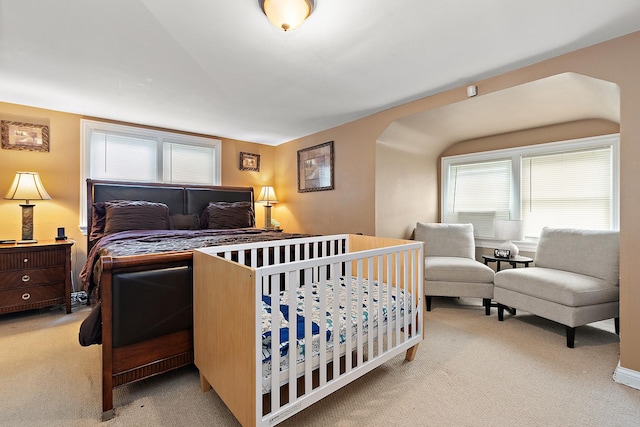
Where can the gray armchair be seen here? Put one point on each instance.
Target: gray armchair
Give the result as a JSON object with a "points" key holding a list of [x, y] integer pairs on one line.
{"points": [[574, 281], [450, 267]]}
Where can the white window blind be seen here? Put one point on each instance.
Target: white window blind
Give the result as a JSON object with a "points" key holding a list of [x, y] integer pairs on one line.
{"points": [[478, 194], [122, 157], [188, 164], [567, 190]]}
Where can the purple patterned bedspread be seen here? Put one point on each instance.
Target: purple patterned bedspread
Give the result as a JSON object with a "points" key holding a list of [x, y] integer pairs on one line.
{"points": [[141, 242]]}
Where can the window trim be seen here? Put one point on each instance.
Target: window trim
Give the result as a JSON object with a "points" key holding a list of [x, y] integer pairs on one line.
{"points": [[516, 154], [88, 126]]}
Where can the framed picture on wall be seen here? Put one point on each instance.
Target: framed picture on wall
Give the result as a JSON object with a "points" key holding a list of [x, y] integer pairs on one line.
{"points": [[315, 168], [24, 136], [249, 162]]}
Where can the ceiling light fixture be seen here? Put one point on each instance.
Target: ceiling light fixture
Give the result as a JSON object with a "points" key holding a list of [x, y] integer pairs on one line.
{"points": [[287, 14]]}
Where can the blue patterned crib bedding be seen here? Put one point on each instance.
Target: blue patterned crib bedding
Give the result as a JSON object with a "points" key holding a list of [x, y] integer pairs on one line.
{"points": [[372, 299]]}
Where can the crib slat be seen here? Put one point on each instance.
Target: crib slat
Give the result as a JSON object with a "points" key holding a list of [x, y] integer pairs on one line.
{"points": [[389, 301], [348, 316], [406, 287], [370, 324], [322, 294], [380, 276], [397, 307], [308, 337], [359, 313], [275, 350], [335, 275], [291, 284]]}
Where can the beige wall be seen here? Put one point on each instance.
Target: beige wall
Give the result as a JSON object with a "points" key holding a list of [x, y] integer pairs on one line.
{"points": [[346, 209], [404, 190], [352, 205]]}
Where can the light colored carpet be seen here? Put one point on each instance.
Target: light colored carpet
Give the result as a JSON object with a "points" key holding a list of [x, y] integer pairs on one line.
{"points": [[471, 370]]}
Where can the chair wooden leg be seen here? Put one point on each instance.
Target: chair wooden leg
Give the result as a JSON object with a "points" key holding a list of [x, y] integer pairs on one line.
{"points": [[616, 322], [428, 303], [571, 335], [487, 306], [500, 312]]}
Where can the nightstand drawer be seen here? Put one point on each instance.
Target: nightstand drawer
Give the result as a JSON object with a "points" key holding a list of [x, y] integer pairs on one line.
{"points": [[32, 258], [33, 297], [31, 277]]}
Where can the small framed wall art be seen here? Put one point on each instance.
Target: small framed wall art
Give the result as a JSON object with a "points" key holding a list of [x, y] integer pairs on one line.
{"points": [[24, 136], [249, 162], [315, 168]]}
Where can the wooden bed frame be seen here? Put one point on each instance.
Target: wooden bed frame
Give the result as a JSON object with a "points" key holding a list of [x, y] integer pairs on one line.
{"points": [[228, 328], [139, 360]]}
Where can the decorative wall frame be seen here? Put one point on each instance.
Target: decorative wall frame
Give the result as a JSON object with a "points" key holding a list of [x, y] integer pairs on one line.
{"points": [[315, 168], [249, 162], [24, 136]]}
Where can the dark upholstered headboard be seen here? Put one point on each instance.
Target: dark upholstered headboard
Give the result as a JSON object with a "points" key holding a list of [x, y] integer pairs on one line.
{"points": [[181, 199]]}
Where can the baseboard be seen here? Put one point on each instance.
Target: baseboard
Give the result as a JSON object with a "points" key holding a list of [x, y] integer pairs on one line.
{"points": [[627, 377]]}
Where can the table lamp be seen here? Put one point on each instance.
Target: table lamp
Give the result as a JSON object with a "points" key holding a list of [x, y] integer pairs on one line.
{"points": [[508, 230], [267, 196], [27, 186]]}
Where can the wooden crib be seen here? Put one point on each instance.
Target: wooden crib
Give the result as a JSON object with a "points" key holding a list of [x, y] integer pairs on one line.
{"points": [[241, 341]]}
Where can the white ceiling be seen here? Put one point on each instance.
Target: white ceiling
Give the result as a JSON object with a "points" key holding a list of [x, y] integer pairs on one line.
{"points": [[220, 68]]}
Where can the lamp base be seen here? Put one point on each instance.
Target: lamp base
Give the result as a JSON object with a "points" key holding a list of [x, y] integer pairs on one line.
{"points": [[27, 223], [267, 217], [24, 242]]}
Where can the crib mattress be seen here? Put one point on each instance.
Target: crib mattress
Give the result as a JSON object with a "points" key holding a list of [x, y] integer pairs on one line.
{"points": [[372, 296]]}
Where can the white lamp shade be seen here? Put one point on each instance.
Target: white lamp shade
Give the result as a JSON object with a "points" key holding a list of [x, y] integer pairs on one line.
{"points": [[27, 186], [267, 195], [506, 229], [287, 14]]}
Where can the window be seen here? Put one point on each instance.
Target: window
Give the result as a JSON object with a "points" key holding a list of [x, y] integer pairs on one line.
{"points": [[561, 184], [127, 153], [468, 199]]}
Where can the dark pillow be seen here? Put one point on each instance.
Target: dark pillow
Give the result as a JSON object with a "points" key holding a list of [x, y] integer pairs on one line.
{"points": [[185, 222], [225, 215], [98, 216], [122, 215]]}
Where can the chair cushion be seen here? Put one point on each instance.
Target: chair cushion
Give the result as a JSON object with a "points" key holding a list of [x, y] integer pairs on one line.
{"points": [[563, 287], [591, 252], [456, 269], [447, 240]]}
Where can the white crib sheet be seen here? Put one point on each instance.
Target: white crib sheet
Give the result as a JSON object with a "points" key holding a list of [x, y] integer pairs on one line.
{"points": [[369, 312]]}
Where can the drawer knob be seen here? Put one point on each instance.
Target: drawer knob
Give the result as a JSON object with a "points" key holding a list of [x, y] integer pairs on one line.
{"points": [[26, 278], [26, 260], [26, 296]]}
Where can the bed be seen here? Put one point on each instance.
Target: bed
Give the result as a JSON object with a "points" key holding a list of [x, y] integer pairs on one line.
{"points": [[140, 242], [280, 325]]}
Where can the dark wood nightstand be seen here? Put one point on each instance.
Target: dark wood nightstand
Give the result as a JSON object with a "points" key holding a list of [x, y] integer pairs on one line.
{"points": [[35, 275]]}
